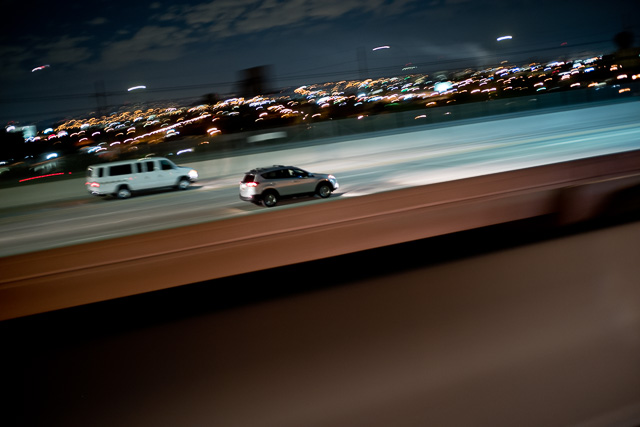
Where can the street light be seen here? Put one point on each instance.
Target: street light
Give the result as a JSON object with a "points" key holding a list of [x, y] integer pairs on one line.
{"points": [[500, 39]]}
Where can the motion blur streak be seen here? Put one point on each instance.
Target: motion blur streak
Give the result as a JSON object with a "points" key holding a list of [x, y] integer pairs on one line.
{"points": [[43, 176]]}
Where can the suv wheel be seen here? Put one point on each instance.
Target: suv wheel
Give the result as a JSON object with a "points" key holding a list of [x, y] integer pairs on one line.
{"points": [[324, 190], [123, 193], [269, 199]]}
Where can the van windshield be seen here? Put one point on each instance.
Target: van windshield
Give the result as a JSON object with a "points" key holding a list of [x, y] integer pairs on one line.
{"points": [[167, 165]]}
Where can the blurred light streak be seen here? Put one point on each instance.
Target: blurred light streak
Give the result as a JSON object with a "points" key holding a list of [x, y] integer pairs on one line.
{"points": [[504, 38], [42, 67], [135, 88], [43, 176], [381, 47]]}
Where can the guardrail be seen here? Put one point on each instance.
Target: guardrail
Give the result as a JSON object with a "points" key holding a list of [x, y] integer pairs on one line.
{"points": [[65, 277]]}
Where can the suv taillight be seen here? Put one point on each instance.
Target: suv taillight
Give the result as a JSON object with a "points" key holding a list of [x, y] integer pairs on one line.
{"points": [[252, 184]]}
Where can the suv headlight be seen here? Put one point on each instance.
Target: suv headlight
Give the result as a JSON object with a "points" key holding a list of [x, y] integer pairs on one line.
{"points": [[193, 174]]}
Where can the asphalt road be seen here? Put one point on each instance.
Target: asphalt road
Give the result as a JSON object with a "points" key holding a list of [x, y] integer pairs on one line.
{"points": [[380, 162]]}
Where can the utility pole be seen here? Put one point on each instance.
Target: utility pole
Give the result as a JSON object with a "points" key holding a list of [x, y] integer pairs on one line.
{"points": [[101, 98], [362, 63]]}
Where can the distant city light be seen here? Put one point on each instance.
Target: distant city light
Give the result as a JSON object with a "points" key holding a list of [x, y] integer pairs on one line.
{"points": [[381, 47], [443, 86], [135, 88], [504, 38]]}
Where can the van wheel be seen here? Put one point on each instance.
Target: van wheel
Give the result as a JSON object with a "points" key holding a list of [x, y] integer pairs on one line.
{"points": [[123, 193], [269, 199], [183, 184]]}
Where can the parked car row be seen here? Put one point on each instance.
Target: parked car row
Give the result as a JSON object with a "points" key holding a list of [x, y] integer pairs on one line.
{"points": [[265, 186]]}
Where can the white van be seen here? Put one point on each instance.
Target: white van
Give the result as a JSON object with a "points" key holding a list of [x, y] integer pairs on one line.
{"points": [[121, 179]]}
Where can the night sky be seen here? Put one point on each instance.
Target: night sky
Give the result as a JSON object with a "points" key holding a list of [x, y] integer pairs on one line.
{"points": [[194, 47]]}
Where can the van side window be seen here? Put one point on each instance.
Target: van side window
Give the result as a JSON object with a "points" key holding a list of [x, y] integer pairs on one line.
{"points": [[166, 165], [100, 172], [149, 166], [120, 170]]}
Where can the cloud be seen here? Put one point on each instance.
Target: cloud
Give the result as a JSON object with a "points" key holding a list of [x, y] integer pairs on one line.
{"points": [[171, 30], [98, 21], [177, 26], [66, 50], [228, 18], [150, 43]]}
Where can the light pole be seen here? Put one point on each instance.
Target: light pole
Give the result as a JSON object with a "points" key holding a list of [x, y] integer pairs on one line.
{"points": [[499, 51], [138, 100], [362, 63]]}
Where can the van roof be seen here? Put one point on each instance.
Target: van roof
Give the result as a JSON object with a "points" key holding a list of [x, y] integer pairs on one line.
{"points": [[123, 162]]}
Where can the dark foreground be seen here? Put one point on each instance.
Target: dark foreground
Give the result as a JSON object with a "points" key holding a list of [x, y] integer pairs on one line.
{"points": [[438, 331]]}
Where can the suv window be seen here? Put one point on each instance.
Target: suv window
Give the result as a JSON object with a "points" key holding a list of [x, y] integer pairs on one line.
{"points": [[298, 173], [248, 178], [276, 174]]}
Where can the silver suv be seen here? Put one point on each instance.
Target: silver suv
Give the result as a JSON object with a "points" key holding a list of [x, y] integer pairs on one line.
{"points": [[270, 184]]}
